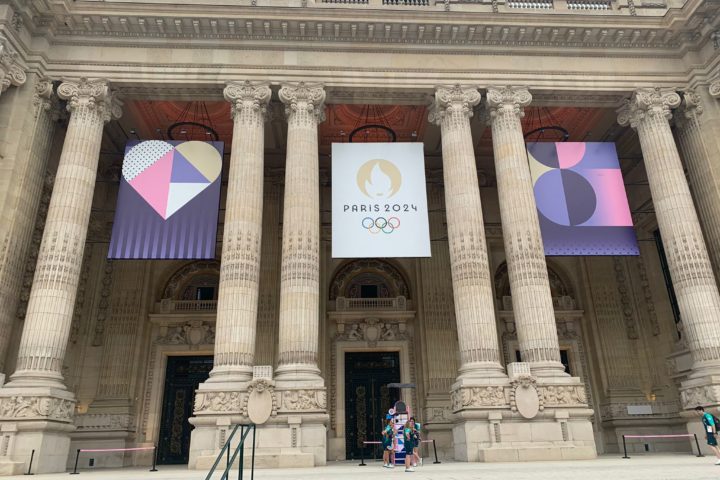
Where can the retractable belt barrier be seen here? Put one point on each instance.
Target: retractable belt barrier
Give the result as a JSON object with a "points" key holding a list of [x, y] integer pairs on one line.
{"points": [[676, 435], [362, 451], [105, 450]]}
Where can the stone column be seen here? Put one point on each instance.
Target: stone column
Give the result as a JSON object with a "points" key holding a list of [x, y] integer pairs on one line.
{"points": [[50, 308], [21, 208], [527, 271], [242, 234], [472, 290], [300, 260], [649, 112], [10, 72], [700, 152]]}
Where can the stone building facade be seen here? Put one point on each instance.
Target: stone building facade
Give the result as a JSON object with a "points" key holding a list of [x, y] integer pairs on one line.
{"points": [[512, 355]]}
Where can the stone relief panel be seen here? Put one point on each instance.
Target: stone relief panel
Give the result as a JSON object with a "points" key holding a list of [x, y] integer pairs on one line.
{"points": [[41, 408], [194, 332]]}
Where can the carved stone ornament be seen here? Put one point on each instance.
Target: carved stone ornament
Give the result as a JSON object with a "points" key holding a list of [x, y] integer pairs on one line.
{"points": [[648, 102], [372, 331], [308, 99], [11, 73], [93, 95], [261, 403], [478, 397], [715, 89], [563, 395], [455, 99], [219, 402], [41, 408], [194, 332], [507, 101], [304, 400], [700, 396], [104, 422], [248, 98], [524, 397]]}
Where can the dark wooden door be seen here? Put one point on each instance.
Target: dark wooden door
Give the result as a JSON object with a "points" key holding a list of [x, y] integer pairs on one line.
{"points": [[183, 375], [367, 398]]}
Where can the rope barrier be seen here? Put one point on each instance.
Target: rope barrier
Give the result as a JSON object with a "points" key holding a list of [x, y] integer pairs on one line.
{"points": [[105, 450], [674, 435], [366, 442]]}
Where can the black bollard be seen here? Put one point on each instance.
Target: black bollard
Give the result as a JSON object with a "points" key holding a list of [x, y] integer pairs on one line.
{"points": [[700, 454], [362, 456], [32, 456], [625, 448], [77, 457], [435, 450], [252, 464], [154, 454]]}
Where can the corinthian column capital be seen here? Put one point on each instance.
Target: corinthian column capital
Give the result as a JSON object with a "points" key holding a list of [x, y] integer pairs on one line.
{"points": [[93, 95], [715, 88], [507, 101], [305, 99], [11, 73], [646, 103], [454, 100], [248, 99], [690, 109]]}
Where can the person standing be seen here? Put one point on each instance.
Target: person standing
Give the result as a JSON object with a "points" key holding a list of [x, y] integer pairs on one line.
{"points": [[388, 444], [417, 460], [710, 423], [409, 436]]}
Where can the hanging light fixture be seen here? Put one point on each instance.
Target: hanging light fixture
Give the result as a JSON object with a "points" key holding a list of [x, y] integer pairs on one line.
{"points": [[542, 126], [193, 123], [367, 128]]}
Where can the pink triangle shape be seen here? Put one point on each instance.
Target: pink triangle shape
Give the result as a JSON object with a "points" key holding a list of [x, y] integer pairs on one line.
{"points": [[153, 184]]}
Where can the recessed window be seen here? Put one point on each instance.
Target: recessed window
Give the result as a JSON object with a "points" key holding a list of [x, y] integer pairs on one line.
{"points": [[368, 291], [205, 293]]}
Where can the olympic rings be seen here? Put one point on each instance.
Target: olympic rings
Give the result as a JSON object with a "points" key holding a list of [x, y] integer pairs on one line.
{"points": [[381, 224]]}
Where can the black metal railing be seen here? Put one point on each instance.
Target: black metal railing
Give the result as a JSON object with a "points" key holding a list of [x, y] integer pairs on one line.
{"points": [[239, 450]]}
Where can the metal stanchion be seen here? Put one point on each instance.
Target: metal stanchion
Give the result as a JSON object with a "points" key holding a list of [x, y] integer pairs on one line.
{"points": [[362, 456], [32, 456], [154, 456], [435, 450], [242, 453], [697, 444], [77, 457], [625, 448]]}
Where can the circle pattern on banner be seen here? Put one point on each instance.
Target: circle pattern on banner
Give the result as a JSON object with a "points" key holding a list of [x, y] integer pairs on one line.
{"points": [[381, 224]]}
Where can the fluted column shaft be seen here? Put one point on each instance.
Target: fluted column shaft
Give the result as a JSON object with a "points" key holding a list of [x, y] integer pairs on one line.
{"points": [[52, 297], [18, 228], [472, 289], [300, 261], [240, 266], [700, 153], [527, 271], [649, 112]]}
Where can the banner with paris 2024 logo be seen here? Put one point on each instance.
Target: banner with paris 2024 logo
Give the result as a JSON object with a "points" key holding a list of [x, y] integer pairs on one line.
{"points": [[379, 201]]}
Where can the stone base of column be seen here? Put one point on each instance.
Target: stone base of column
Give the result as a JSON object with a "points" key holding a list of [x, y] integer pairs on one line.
{"points": [[39, 419], [524, 419], [299, 375], [291, 424]]}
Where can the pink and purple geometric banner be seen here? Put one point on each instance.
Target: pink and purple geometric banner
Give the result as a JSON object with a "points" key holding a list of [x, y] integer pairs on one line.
{"points": [[168, 200], [580, 198]]}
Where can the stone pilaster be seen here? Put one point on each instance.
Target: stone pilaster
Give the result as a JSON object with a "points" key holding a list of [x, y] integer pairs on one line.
{"points": [[49, 312], [300, 260], [21, 209], [531, 298], [240, 265], [472, 289], [700, 153], [649, 111], [11, 72]]}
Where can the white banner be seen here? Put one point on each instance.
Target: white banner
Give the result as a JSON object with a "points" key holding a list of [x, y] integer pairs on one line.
{"points": [[379, 201]]}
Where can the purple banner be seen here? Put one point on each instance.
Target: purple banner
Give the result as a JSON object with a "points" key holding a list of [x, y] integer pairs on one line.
{"points": [[581, 200], [168, 201]]}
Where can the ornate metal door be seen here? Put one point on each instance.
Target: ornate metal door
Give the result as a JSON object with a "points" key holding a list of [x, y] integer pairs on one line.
{"points": [[183, 375], [367, 398]]}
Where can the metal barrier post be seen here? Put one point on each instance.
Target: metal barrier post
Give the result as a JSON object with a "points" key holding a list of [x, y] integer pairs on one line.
{"points": [[435, 450], [362, 456], [242, 453], [77, 457], [32, 455], [700, 454], [625, 448], [154, 455]]}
